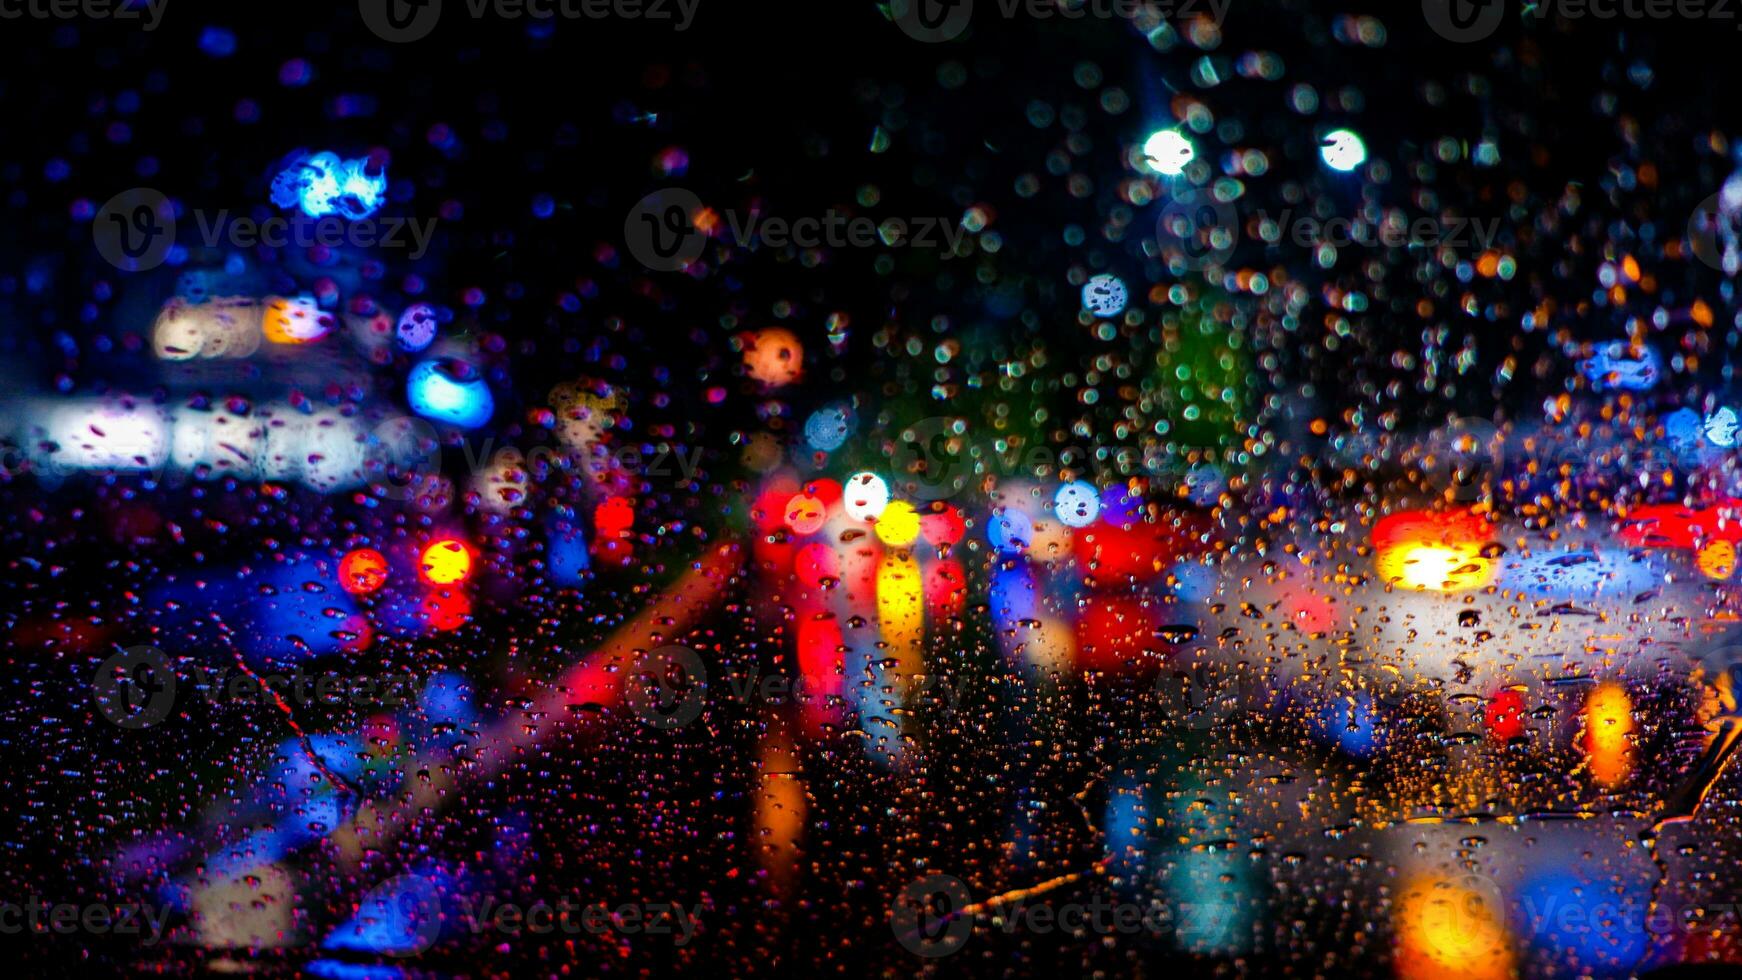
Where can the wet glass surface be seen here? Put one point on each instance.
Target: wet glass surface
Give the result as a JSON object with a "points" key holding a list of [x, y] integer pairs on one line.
{"points": [[605, 489]]}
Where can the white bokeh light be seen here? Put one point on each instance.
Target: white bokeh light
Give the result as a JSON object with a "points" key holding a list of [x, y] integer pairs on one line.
{"points": [[1342, 150], [1167, 152], [865, 496]]}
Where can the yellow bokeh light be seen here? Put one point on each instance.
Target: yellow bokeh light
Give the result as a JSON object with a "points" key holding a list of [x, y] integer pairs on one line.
{"points": [[446, 561], [898, 525], [1436, 567], [1717, 560], [1452, 927]]}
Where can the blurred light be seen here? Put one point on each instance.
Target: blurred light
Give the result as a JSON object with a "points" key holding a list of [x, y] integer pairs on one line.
{"points": [[1426, 551], [819, 655], [901, 608], [898, 525], [325, 448], [1716, 560], [1105, 295], [446, 610], [362, 571], [942, 525], [567, 556], [1720, 427], [825, 490], [445, 562], [817, 564], [417, 327], [774, 357], [613, 517], [1591, 926], [226, 327], [1608, 733], [1437, 568], [1615, 367], [1503, 716], [806, 514], [1121, 506], [1010, 531], [1451, 929], [1193, 581], [780, 810], [219, 42], [1077, 504], [1012, 597], [294, 320], [1352, 722], [946, 589], [865, 495], [322, 184], [1581, 574], [1204, 484], [91, 434], [398, 918], [1142, 549], [217, 444], [248, 908], [443, 390], [827, 428], [1117, 633], [1342, 150], [1167, 152], [1220, 893], [291, 615], [1682, 428]]}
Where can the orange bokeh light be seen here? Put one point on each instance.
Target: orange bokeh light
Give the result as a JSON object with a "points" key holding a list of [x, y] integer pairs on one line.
{"points": [[362, 571]]}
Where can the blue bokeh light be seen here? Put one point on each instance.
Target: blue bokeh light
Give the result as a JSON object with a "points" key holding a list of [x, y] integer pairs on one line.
{"points": [[444, 390]]}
